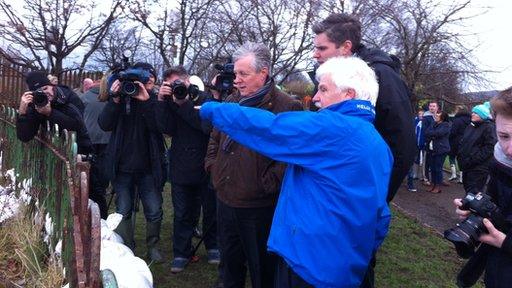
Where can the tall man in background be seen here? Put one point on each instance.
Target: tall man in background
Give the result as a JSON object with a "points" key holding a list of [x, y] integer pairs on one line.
{"points": [[340, 35]]}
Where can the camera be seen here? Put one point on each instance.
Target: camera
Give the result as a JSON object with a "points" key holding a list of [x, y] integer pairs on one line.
{"points": [[127, 75], [40, 98], [224, 81], [465, 235], [180, 90]]}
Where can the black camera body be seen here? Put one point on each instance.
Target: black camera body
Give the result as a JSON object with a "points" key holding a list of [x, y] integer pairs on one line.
{"points": [[39, 98], [465, 235], [180, 89], [224, 81], [127, 75]]}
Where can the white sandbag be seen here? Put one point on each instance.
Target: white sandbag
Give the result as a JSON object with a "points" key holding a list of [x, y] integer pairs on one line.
{"points": [[108, 234], [113, 220], [130, 271]]}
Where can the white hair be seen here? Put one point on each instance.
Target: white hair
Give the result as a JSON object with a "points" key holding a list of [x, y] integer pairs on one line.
{"points": [[351, 73]]}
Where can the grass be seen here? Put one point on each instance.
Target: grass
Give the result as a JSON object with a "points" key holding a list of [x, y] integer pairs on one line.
{"points": [[411, 256], [24, 256]]}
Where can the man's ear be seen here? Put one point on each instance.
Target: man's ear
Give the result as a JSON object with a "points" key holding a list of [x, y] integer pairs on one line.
{"points": [[351, 93], [346, 48], [264, 71]]}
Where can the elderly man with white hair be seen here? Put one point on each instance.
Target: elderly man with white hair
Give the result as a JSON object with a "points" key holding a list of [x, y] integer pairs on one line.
{"points": [[332, 213]]}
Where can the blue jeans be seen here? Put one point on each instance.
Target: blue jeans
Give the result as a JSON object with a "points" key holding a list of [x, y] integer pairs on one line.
{"points": [[125, 184], [410, 179], [436, 168]]}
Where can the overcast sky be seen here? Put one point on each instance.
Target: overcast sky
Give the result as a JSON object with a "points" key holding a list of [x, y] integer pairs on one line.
{"points": [[494, 40]]}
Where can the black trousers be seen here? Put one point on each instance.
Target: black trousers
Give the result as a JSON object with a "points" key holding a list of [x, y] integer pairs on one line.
{"points": [[286, 278], [243, 235], [187, 201], [369, 277], [98, 182]]}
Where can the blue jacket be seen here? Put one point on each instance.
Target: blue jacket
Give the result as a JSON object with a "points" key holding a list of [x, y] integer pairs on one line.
{"points": [[438, 133], [332, 213]]}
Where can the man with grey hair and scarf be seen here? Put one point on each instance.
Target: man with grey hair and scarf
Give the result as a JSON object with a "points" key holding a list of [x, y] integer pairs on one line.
{"points": [[247, 183]]}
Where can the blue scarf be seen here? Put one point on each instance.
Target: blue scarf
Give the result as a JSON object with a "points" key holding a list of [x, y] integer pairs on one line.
{"points": [[253, 100]]}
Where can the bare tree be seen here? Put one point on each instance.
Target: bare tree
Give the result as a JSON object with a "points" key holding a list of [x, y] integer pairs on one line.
{"points": [[428, 37], [119, 38], [285, 27], [52, 30]]}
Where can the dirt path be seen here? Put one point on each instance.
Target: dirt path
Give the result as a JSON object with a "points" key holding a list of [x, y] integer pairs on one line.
{"points": [[434, 210]]}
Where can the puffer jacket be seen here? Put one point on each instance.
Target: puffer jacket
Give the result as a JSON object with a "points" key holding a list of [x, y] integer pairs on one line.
{"points": [[242, 177]]}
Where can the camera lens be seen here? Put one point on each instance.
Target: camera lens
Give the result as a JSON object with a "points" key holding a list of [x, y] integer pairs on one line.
{"points": [[465, 235], [40, 98], [179, 89], [129, 88]]}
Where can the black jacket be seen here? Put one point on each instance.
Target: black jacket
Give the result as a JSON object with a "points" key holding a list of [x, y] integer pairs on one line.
{"points": [[498, 271], [67, 112], [393, 113], [438, 134], [459, 123], [477, 146], [111, 119], [190, 137]]}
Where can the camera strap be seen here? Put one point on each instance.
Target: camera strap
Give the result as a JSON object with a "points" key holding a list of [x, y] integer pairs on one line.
{"points": [[128, 107]]}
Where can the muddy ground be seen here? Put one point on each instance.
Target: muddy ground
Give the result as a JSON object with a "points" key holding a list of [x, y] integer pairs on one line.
{"points": [[434, 210]]}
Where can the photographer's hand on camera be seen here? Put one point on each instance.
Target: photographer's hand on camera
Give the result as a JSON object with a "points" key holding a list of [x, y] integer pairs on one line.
{"points": [[25, 100], [164, 91], [143, 94], [45, 110], [495, 237], [463, 214], [215, 93], [114, 91]]}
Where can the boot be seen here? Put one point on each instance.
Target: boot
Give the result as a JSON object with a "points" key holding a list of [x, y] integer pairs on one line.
{"points": [[454, 173], [460, 177], [152, 239], [125, 230]]}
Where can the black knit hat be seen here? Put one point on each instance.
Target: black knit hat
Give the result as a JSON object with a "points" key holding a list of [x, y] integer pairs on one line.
{"points": [[146, 66], [36, 80]]}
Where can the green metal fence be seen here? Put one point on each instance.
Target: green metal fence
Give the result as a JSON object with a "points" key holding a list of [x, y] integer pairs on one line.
{"points": [[60, 184]]}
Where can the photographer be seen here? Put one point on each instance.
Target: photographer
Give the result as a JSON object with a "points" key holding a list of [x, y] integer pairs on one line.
{"points": [[178, 118], [134, 154], [498, 241], [54, 103]]}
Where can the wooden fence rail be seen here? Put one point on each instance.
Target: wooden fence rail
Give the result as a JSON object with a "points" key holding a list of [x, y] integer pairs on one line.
{"points": [[59, 183]]}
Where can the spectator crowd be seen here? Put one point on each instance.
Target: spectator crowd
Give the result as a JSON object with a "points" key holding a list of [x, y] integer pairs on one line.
{"points": [[296, 198]]}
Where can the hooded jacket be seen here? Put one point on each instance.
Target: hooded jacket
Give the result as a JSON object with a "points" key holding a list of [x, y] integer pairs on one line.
{"points": [[332, 213], [67, 112], [393, 113]]}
